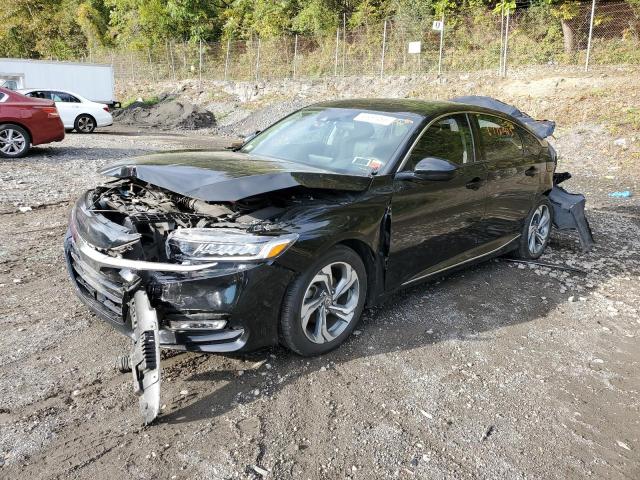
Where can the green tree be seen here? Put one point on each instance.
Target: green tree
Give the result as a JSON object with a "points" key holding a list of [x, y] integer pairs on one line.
{"points": [[315, 17], [93, 20], [566, 11], [139, 23], [41, 28]]}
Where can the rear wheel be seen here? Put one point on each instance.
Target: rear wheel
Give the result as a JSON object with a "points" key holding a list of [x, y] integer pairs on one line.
{"points": [[14, 141], [85, 124], [323, 306], [536, 232]]}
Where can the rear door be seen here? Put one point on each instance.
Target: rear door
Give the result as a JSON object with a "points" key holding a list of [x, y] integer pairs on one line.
{"points": [[512, 156], [67, 114], [433, 221]]}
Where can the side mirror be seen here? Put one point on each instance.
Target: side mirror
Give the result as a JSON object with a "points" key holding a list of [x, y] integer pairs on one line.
{"points": [[433, 168]]}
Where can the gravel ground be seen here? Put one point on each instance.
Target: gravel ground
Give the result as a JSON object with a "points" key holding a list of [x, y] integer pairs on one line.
{"points": [[501, 371]]}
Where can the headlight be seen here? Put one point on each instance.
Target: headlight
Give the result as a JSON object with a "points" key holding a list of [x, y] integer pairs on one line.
{"points": [[211, 244]]}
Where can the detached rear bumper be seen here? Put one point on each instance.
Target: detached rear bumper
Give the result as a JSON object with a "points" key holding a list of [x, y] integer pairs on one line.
{"points": [[248, 300], [568, 214]]}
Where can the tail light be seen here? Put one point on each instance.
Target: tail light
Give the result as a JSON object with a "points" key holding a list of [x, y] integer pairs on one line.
{"points": [[106, 108], [52, 112]]}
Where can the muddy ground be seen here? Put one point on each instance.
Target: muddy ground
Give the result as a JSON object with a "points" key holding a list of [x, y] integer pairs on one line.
{"points": [[500, 371]]}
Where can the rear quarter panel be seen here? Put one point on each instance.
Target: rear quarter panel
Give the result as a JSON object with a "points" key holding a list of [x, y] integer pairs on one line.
{"points": [[25, 112]]}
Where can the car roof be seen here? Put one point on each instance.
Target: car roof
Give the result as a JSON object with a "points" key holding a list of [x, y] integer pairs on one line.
{"points": [[427, 109], [391, 105]]}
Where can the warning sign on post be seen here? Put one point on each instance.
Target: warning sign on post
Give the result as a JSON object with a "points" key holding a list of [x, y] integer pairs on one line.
{"points": [[415, 47]]}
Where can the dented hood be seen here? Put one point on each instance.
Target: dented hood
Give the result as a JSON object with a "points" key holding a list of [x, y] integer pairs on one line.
{"points": [[229, 176]]}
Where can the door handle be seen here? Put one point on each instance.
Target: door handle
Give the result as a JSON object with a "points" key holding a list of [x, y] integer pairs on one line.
{"points": [[474, 184], [531, 172]]}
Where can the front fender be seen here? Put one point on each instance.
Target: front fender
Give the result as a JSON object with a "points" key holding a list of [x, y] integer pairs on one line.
{"points": [[320, 231]]}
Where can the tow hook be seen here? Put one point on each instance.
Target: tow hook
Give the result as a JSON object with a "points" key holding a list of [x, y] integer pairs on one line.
{"points": [[144, 359]]}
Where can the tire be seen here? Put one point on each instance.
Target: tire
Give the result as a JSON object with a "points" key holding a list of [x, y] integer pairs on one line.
{"points": [[84, 123], [341, 311], [535, 231], [14, 141]]}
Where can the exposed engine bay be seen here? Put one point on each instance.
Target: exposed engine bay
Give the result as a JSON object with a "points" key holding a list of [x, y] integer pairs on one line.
{"points": [[154, 213]]}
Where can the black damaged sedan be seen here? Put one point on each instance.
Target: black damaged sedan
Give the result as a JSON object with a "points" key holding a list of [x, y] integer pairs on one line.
{"points": [[288, 237]]}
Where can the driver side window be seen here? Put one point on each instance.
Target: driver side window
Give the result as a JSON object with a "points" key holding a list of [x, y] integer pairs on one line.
{"points": [[448, 138]]}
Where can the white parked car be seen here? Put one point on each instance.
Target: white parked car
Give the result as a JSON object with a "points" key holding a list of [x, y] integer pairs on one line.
{"points": [[77, 113]]}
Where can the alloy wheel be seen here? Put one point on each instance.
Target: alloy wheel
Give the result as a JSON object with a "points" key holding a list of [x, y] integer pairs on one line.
{"points": [[330, 302], [12, 142], [539, 228], [86, 124]]}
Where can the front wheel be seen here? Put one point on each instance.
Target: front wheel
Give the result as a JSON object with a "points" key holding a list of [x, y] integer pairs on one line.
{"points": [[14, 141], [323, 306], [85, 124], [536, 232]]}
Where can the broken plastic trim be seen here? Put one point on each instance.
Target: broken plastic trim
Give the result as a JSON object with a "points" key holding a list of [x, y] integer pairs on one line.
{"points": [[97, 229], [145, 356], [118, 262]]}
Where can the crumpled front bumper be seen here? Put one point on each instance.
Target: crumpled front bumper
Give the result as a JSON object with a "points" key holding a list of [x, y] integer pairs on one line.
{"points": [[248, 299]]}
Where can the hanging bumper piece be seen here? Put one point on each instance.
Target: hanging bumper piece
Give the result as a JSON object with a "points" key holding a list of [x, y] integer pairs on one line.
{"points": [[568, 211], [145, 356]]}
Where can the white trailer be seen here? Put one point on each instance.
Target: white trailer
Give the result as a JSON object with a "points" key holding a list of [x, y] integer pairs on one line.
{"points": [[92, 81]]}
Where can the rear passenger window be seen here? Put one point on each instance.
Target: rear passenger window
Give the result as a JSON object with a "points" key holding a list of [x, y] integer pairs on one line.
{"points": [[448, 138], [64, 97], [531, 144], [500, 138]]}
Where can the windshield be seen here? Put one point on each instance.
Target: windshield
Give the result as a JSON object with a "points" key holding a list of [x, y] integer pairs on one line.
{"points": [[342, 140]]}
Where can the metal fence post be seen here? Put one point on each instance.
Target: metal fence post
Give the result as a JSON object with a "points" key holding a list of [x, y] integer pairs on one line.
{"points": [[384, 45], [133, 71], [501, 37], [593, 11], [506, 45], [173, 66], [258, 61], [295, 55], [200, 62], [335, 65], [185, 62], [226, 60], [441, 46], [344, 40], [153, 75]]}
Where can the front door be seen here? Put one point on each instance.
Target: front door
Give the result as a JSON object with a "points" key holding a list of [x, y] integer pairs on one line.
{"points": [[433, 221]]}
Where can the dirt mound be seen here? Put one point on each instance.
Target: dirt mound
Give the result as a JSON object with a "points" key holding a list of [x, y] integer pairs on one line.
{"points": [[167, 114], [262, 118]]}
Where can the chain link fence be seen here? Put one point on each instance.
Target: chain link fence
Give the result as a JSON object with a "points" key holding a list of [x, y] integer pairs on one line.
{"points": [[472, 41]]}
